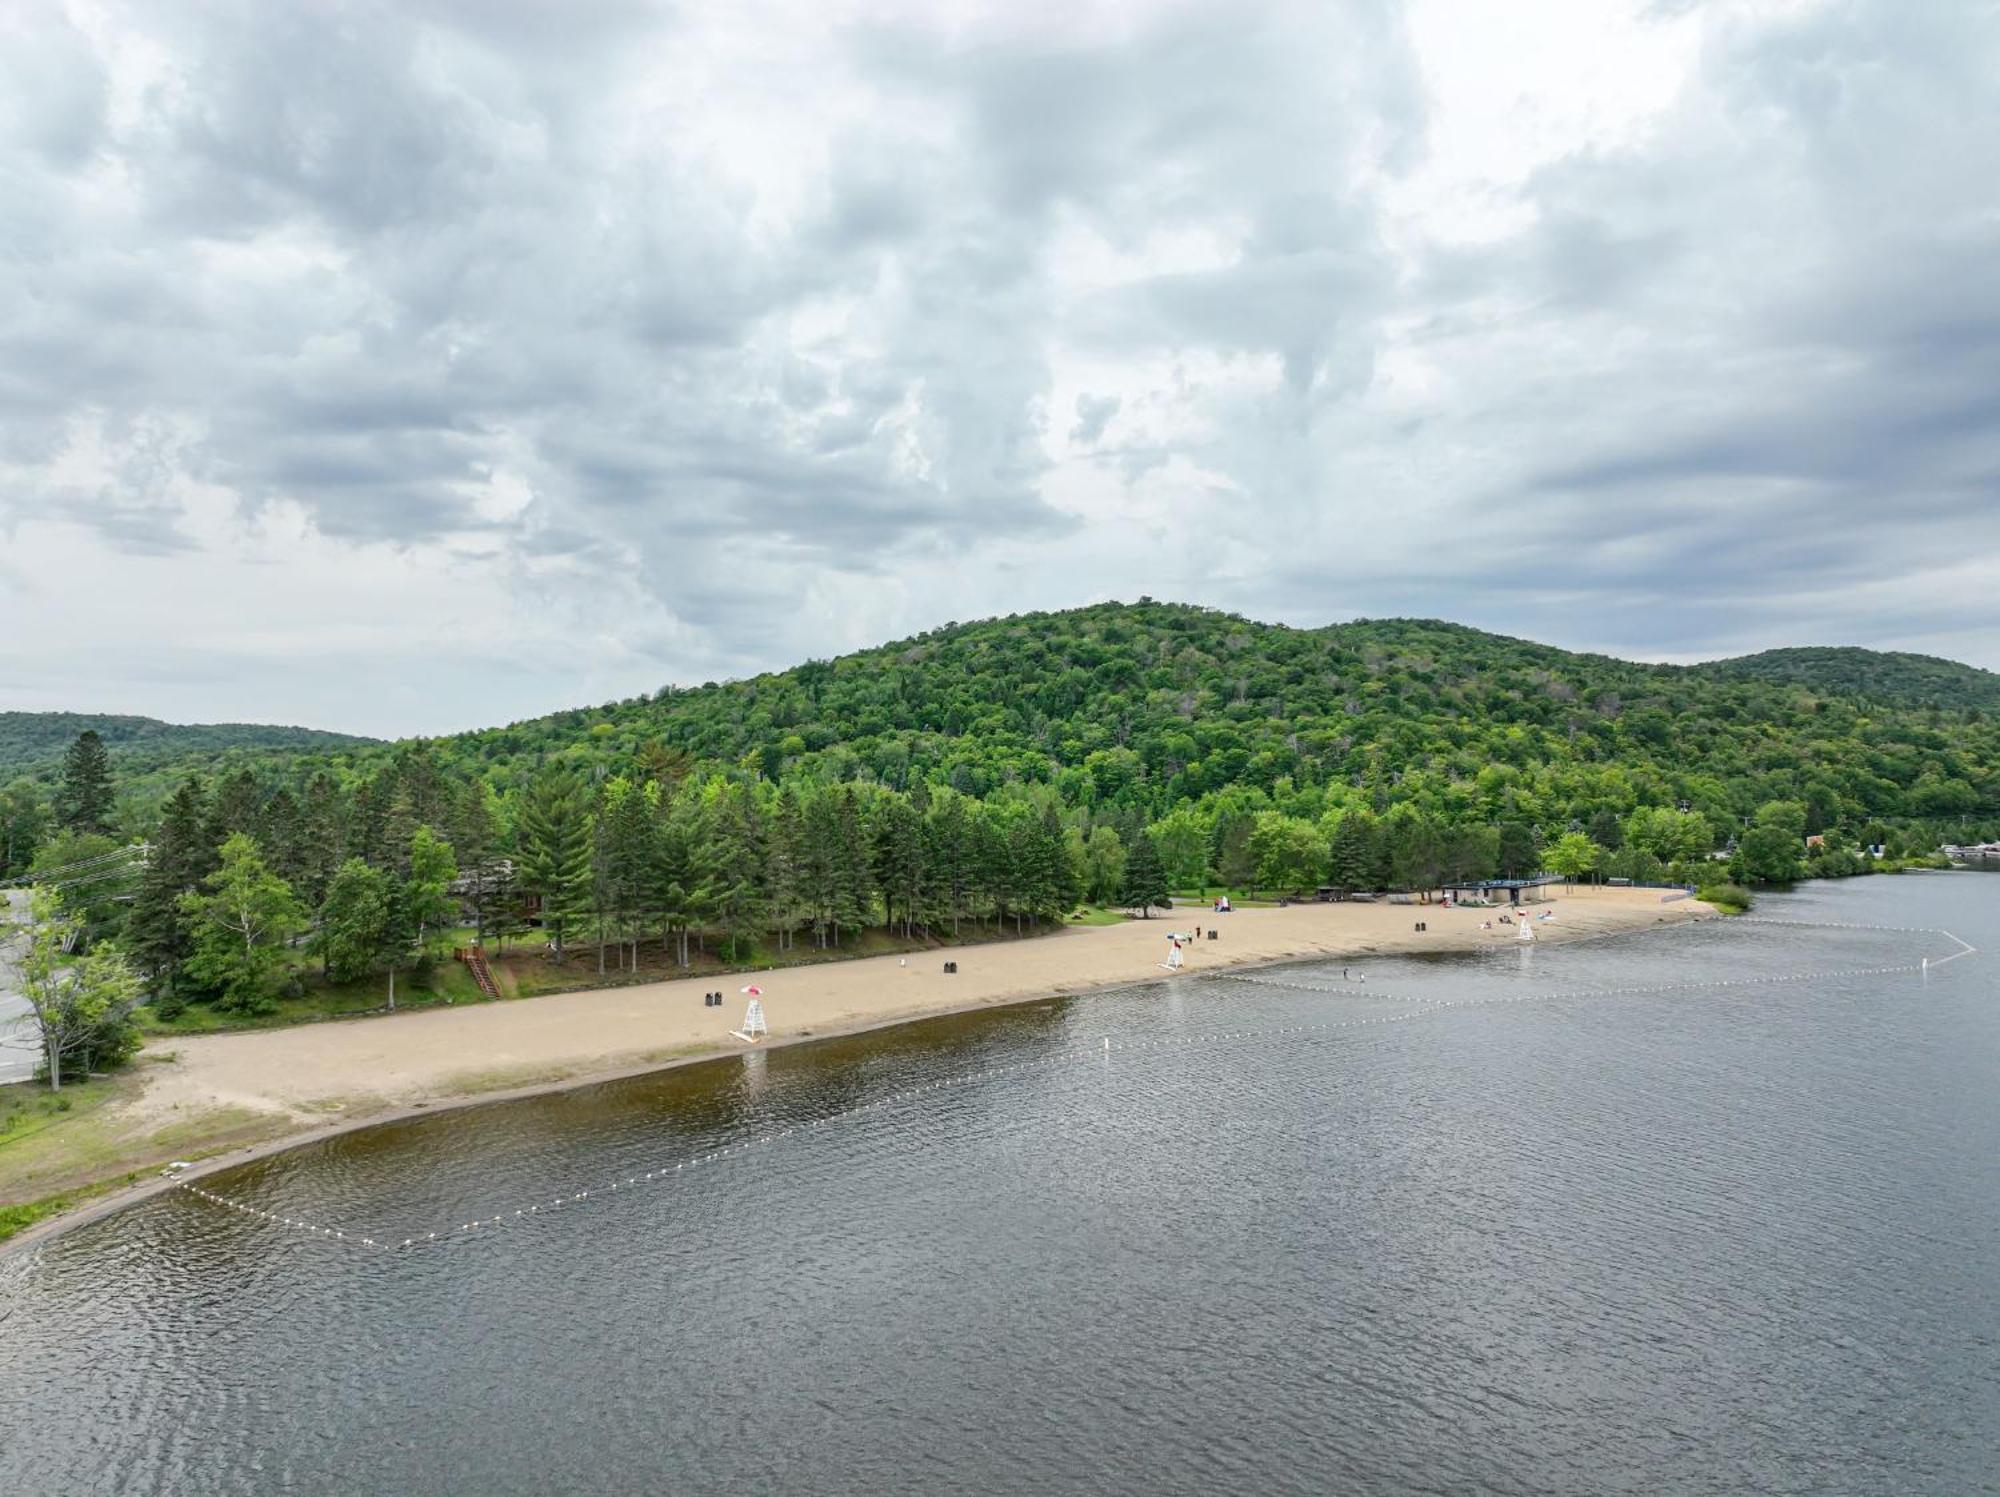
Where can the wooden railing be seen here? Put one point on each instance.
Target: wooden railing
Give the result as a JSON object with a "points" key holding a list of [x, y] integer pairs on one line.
{"points": [[475, 963]]}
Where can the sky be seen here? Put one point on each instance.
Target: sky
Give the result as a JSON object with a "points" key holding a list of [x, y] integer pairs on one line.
{"points": [[409, 367]]}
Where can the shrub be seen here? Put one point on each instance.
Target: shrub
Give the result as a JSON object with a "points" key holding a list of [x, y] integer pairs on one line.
{"points": [[1731, 899]]}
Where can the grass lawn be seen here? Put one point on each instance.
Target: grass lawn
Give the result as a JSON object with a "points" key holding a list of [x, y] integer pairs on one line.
{"points": [[57, 1147], [1097, 914], [1239, 900]]}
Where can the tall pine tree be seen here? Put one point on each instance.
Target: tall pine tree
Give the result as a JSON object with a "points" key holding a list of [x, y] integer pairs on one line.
{"points": [[84, 798], [555, 846], [1145, 877], [159, 929]]}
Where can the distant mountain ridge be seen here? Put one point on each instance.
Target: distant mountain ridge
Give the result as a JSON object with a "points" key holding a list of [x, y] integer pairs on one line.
{"points": [[1885, 675], [32, 743]]}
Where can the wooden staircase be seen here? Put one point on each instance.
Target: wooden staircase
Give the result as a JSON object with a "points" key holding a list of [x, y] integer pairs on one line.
{"points": [[475, 963]]}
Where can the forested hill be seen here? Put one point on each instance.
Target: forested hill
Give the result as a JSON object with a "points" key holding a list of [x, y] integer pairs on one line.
{"points": [[1150, 704], [1883, 676], [1141, 707], [996, 772], [32, 743]]}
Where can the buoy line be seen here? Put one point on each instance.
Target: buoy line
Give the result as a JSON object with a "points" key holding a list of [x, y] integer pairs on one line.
{"points": [[1108, 1046]]}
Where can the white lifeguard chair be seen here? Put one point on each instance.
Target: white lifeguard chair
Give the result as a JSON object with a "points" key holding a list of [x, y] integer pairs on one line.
{"points": [[754, 1028]]}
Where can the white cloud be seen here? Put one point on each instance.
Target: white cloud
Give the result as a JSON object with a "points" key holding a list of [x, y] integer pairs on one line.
{"points": [[409, 367]]}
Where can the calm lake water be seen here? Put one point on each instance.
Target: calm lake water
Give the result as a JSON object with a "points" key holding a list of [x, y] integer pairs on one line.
{"points": [[1728, 1238]]}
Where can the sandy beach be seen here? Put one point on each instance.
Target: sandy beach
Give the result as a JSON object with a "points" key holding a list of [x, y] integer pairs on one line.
{"points": [[260, 1090]]}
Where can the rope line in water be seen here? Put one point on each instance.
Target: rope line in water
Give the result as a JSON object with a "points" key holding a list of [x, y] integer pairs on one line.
{"points": [[1107, 1047]]}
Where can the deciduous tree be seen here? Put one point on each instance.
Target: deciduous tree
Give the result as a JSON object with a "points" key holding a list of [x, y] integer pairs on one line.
{"points": [[240, 922], [83, 1003]]}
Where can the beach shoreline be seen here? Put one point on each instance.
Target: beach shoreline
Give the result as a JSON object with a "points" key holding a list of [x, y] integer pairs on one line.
{"points": [[303, 1085]]}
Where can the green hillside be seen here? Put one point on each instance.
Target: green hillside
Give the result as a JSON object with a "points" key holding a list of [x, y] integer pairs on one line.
{"points": [[1152, 704], [1884, 676], [32, 743]]}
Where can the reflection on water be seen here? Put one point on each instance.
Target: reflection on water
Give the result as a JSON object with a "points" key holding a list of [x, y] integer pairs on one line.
{"points": [[1716, 1239]]}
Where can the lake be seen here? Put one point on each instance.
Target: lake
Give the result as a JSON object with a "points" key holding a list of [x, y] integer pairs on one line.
{"points": [[1709, 1209]]}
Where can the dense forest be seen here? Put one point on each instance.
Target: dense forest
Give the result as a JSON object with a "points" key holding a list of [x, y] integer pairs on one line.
{"points": [[995, 775], [33, 743], [1883, 676]]}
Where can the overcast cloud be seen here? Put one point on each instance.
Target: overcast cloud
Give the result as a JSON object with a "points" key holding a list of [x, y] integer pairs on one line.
{"points": [[412, 366]]}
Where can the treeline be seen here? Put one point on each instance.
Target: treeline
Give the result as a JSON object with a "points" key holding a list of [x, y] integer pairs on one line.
{"points": [[245, 882], [239, 880], [32, 744]]}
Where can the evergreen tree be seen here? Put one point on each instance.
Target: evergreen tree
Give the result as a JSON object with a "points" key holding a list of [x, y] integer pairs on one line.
{"points": [[819, 866], [1519, 855], [992, 870], [1058, 879], [1235, 860], [853, 893], [399, 826], [899, 861], [238, 807], [948, 852], [1351, 855], [322, 845], [1027, 892], [84, 797], [158, 928], [672, 877], [555, 862], [785, 863], [703, 872], [283, 837], [367, 821], [624, 864], [1145, 878], [1416, 851], [428, 797], [736, 836], [1469, 852], [474, 824]]}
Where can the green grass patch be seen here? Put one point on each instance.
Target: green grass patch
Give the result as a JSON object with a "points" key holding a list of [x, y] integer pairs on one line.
{"points": [[28, 1108], [17, 1219], [1095, 914], [1240, 899], [82, 1138]]}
